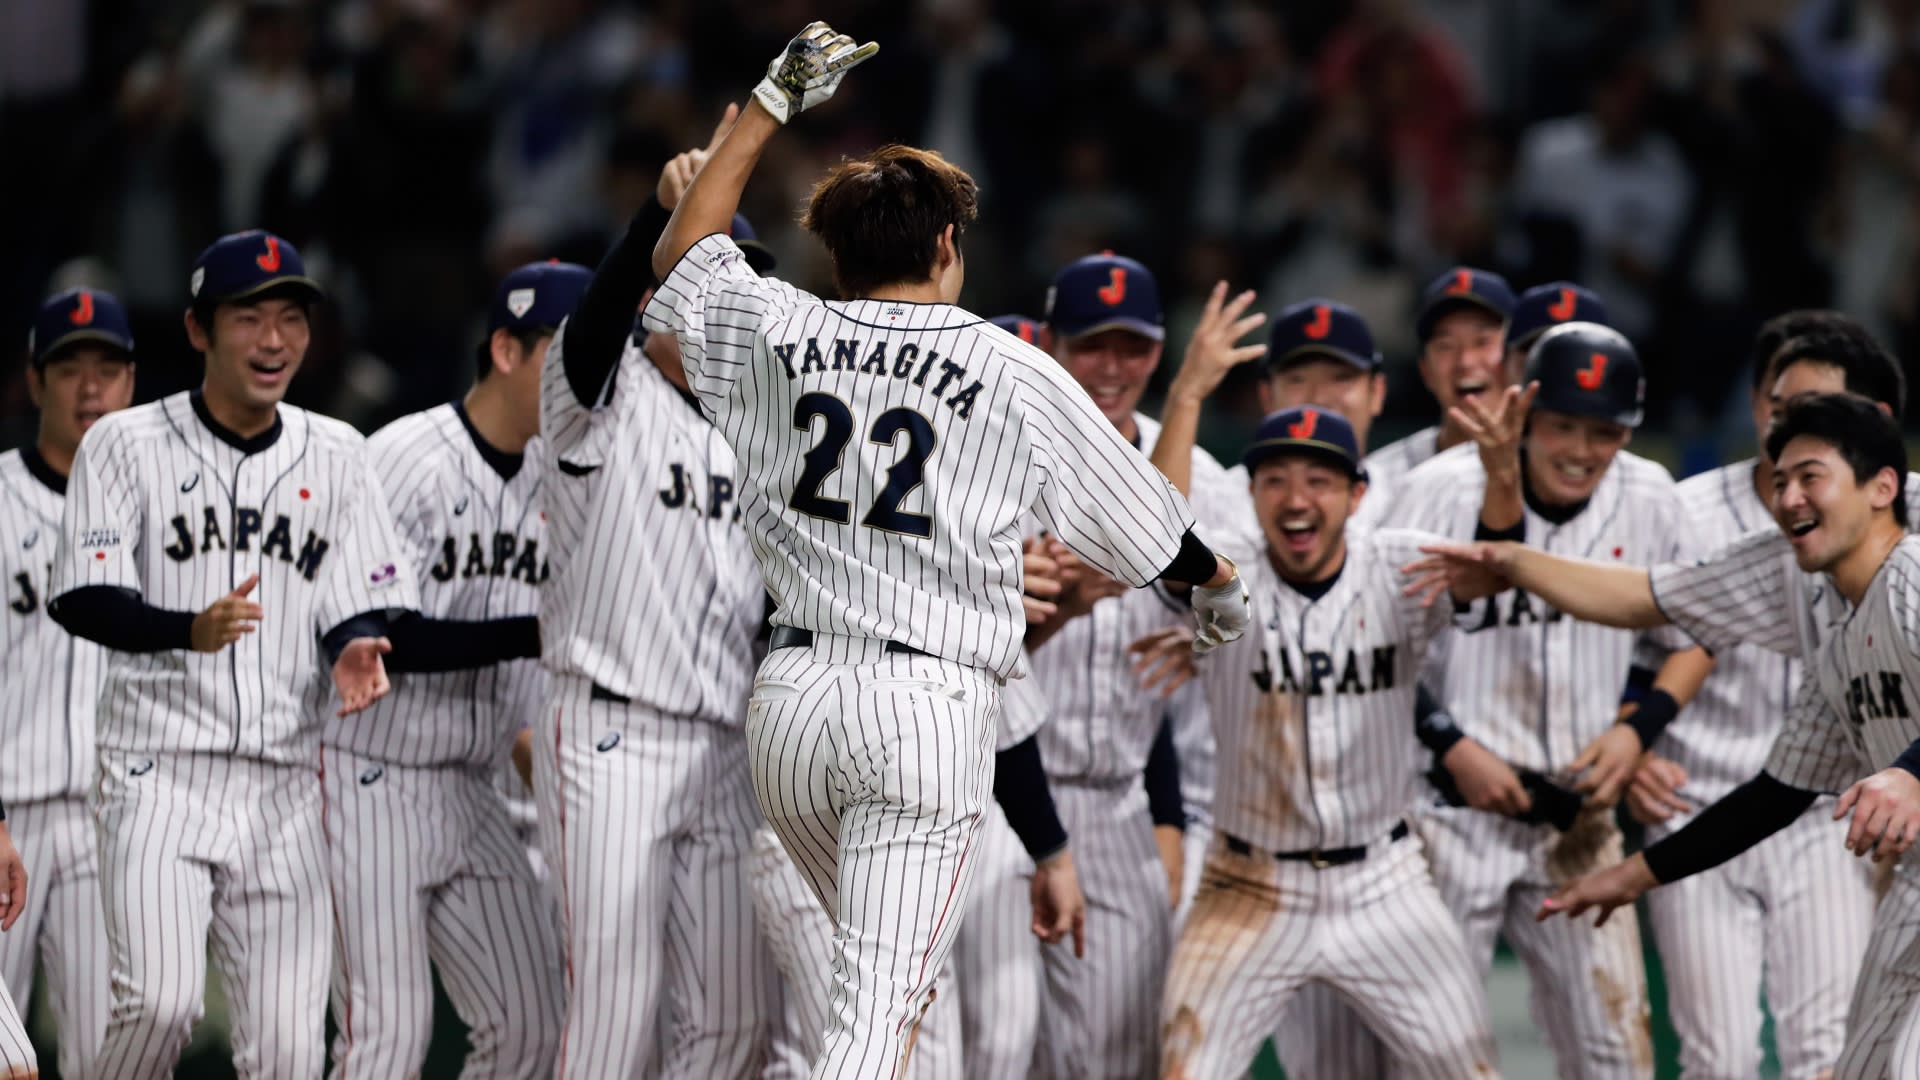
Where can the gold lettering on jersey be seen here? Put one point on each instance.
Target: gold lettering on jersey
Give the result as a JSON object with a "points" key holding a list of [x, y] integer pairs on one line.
{"points": [[907, 363], [247, 523]]}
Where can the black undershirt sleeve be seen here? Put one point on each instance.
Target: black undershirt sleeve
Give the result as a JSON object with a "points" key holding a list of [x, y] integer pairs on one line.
{"points": [[121, 619], [1164, 803], [1747, 815], [1020, 787], [1433, 724], [424, 644], [597, 333], [1194, 564]]}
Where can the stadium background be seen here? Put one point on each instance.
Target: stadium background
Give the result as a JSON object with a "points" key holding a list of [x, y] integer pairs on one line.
{"points": [[1702, 163]]}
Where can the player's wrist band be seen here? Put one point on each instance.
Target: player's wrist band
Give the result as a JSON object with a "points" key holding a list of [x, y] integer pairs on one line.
{"points": [[1656, 711]]}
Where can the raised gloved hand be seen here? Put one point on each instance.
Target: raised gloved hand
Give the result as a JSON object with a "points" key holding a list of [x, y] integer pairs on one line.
{"points": [[809, 71], [1223, 611]]}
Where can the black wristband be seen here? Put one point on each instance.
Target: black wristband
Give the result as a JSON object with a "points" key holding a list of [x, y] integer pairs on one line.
{"points": [[1433, 724], [1656, 711], [1020, 787]]}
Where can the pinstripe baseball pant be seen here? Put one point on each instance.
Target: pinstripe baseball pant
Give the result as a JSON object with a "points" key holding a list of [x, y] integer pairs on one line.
{"points": [[996, 958], [199, 848], [1376, 932], [873, 770], [17, 1061], [1799, 906], [648, 820], [1883, 1022], [428, 872], [62, 926]]}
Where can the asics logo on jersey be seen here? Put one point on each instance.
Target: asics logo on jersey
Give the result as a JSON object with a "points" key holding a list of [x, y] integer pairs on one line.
{"points": [[1876, 695], [190, 483], [572, 469], [1309, 419], [271, 260], [1115, 290], [680, 493], [607, 742], [28, 601], [82, 313], [32, 539], [905, 363], [1319, 667], [141, 769], [1591, 376], [1563, 308], [1321, 322], [246, 524], [372, 775], [460, 507], [506, 555]]}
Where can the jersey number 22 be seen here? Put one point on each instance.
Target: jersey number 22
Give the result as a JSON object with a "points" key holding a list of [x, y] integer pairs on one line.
{"points": [[827, 455]]}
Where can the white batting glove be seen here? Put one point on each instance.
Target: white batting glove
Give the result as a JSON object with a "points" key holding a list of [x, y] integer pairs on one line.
{"points": [[809, 71], [1223, 610]]}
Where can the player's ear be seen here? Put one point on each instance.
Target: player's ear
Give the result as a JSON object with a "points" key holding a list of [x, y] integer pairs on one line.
{"points": [[200, 337], [503, 349], [1882, 488], [946, 251]]}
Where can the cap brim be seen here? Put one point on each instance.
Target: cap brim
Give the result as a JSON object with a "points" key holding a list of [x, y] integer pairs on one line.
{"points": [[1268, 449], [307, 283], [1302, 353], [81, 337], [1433, 312], [1139, 326]]}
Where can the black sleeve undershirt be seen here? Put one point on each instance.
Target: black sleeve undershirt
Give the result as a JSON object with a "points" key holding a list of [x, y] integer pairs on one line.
{"points": [[121, 619], [1164, 804], [597, 333], [1433, 724], [1194, 564], [1020, 787], [422, 644], [1749, 814]]}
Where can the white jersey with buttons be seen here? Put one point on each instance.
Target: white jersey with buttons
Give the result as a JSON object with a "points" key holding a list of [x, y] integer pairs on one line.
{"points": [[640, 769], [1317, 753], [46, 724], [1794, 912], [888, 452], [208, 761], [426, 859], [1390, 464]]}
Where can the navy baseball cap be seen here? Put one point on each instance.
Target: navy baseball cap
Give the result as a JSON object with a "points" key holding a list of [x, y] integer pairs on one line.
{"points": [[759, 256], [246, 264], [75, 317], [1105, 292], [1551, 304], [1019, 326], [1321, 328], [1309, 430], [1463, 286], [537, 296]]}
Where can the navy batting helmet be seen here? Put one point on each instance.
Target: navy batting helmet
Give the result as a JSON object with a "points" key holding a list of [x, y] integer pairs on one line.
{"points": [[1585, 369]]}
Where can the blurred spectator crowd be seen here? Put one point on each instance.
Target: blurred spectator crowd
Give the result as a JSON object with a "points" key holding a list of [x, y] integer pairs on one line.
{"points": [[1701, 163]]}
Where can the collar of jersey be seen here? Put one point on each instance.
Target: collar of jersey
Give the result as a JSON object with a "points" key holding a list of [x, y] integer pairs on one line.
{"points": [[867, 312], [507, 465], [231, 437], [39, 469]]}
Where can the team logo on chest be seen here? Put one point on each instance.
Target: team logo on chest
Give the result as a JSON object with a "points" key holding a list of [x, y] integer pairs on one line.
{"points": [[1314, 672], [1515, 607], [246, 527], [1876, 695], [680, 491], [504, 554]]}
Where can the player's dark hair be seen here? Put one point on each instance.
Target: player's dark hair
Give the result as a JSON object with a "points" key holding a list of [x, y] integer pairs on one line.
{"points": [[880, 216], [1868, 368], [1866, 437], [527, 336], [1786, 326]]}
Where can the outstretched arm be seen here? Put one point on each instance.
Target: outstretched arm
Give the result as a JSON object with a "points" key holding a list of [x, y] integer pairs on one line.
{"points": [[1611, 594]]}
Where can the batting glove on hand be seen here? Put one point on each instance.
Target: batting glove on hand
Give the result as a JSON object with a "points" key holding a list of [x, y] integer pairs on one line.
{"points": [[809, 71], [1223, 611]]}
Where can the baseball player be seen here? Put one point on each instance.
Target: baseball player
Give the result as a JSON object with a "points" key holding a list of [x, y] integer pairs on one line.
{"points": [[227, 550], [16, 1052], [1312, 878], [889, 446], [81, 369], [1541, 692], [1462, 330], [1839, 472], [428, 866], [648, 627]]}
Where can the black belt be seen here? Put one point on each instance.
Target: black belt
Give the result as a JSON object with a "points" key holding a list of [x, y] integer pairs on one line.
{"points": [[792, 637], [1321, 858]]}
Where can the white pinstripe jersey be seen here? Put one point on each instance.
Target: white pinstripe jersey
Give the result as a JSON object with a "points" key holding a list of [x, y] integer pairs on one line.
{"points": [[165, 505], [1751, 591], [476, 543], [1388, 465], [1102, 724], [1721, 739], [1313, 713], [655, 594], [1532, 686], [888, 450], [52, 678], [1864, 683]]}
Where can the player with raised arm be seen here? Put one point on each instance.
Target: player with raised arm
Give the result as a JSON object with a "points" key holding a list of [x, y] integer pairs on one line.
{"points": [[429, 870], [81, 369], [1838, 483], [889, 446], [208, 803]]}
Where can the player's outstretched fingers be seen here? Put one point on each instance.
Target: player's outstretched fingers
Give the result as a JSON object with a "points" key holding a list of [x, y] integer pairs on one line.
{"points": [[13, 888], [360, 675]]}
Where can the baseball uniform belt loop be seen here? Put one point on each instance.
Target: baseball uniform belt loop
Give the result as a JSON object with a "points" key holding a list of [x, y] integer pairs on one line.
{"points": [[792, 637], [1321, 858]]}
